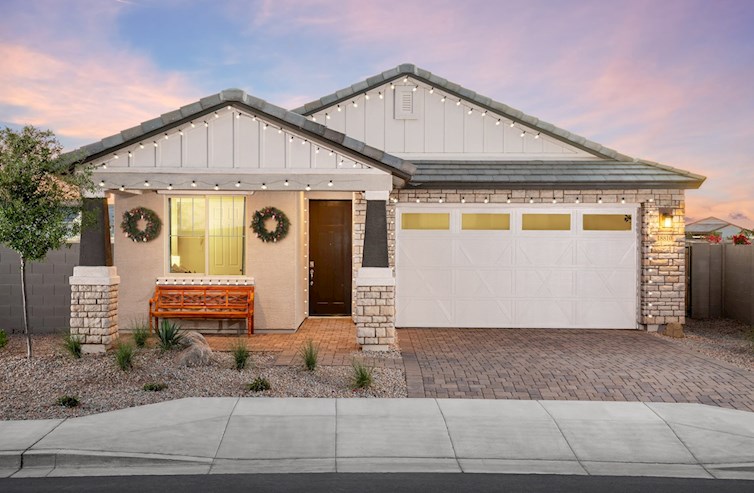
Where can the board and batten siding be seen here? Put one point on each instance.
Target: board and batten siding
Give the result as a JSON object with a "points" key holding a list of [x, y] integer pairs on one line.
{"points": [[232, 140], [437, 130]]}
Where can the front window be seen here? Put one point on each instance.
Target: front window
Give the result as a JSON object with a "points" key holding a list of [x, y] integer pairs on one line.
{"points": [[207, 235]]}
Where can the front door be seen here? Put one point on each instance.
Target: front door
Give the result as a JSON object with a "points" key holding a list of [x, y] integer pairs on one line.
{"points": [[330, 257]]}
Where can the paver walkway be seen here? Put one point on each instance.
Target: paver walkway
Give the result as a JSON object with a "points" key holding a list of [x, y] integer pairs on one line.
{"points": [[604, 365], [334, 336]]}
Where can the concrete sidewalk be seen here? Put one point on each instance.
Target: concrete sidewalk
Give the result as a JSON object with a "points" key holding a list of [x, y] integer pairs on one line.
{"points": [[247, 435]]}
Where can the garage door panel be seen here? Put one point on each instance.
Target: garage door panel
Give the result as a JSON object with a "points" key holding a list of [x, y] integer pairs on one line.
{"points": [[544, 251], [544, 283], [606, 314], [496, 283], [607, 252], [577, 278], [422, 283], [545, 313], [484, 313], [593, 284], [425, 252], [482, 252], [425, 313]]}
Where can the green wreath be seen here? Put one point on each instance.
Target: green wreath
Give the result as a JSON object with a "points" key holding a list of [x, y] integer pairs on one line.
{"points": [[130, 224], [261, 216]]}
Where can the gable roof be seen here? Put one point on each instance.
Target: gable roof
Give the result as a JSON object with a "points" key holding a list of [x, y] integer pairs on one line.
{"points": [[645, 173], [241, 100], [709, 225]]}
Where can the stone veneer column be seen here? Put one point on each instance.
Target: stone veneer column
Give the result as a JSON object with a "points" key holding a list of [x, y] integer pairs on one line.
{"points": [[94, 307], [375, 283]]}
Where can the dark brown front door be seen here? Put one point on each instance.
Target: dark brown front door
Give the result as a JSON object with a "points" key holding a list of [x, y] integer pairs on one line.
{"points": [[330, 257]]}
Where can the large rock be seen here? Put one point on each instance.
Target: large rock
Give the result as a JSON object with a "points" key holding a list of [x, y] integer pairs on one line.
{"points": [[675, 330], [197, 352]]}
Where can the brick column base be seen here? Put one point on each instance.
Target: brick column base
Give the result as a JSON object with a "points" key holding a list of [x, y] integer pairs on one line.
{"points": [[375, 309], [94, 307]]}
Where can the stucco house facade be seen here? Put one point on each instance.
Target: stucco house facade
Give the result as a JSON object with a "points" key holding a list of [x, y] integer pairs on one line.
{"points": [[413, 202]]}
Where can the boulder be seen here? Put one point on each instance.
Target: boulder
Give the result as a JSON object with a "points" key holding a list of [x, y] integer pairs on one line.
{"points": [[197, 352], [675, 330]]}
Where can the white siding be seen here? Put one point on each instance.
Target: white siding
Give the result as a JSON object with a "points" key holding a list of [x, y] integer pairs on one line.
{"points": [[441, 131]]}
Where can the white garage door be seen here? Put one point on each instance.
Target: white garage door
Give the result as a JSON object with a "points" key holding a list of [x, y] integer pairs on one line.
{"points": [[516, 267]]}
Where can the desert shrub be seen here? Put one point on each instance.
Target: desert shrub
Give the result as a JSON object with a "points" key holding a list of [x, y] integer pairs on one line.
{"points": [[124, 354], [141, 334], [3, 339], [169, 335], [68, 401], [259, 384], [240, 355], [361, 377], [72, 344], [155, 386], [309, 354]]}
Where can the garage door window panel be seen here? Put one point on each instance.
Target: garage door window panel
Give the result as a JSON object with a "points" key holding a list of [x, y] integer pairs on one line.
{"points": [[425, 221], [545, 222], [485, 222], [607, 222]]}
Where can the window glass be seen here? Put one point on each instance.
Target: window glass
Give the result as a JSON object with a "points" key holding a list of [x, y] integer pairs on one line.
{"points": [[207, 235], [546, 222], [486, 221], [425, 220], [607, 222]]}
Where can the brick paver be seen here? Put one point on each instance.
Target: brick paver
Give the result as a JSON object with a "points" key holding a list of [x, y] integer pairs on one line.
{"points": [[606, 365], [334, 336]]}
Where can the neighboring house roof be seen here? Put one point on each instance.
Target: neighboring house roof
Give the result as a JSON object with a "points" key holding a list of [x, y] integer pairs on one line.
{"points": [[641, 171], [546, 174], [709, 225], [263, 109]]}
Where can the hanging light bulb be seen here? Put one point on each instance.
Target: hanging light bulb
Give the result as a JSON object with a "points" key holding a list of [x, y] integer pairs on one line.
{"points": [[366, 96], [193, 183], [206, 124], [104, 165], [512, 124], [265, 126], [417, 201], [440, 201], [327, 116], [180, 132], [155, 143], [216, 187], [599, 201], [484, 113], [286, 183], [471, 110], [431, 90], [523, 134], [329, 184], [537, 135], [166, 137], [116, 156], [331, 153], [238, 115], [193, 125], [415, 88], [463, 200], [280, 130], [443, 98], [486, 200], [355, 105], [264, 186], [392, 85], [307, 188], [554, 200], [316, 151], [121, 188], [141, 145], [238, 184], [130, 154], [458, 103], [253, 118], [339, 108], [303, 142], [577, 200], [170, 186], [623, 200], [508, 200], [531, 200], [216, 115], [497, 122], [291, 139], [101, 183], [146, 183], [380, 95]]}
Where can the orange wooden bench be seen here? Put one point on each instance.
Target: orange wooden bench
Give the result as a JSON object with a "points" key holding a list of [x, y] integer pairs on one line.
{"points": [[202, 302]]}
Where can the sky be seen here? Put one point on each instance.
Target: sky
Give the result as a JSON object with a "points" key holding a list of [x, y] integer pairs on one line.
{"points": [[666, 80]]}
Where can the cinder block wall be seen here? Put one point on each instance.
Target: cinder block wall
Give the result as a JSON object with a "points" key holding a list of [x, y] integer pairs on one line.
{"points": [[49, 295]]}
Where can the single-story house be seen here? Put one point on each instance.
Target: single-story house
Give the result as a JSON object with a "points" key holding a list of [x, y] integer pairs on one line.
{"points": [[700, 230], [412, 202]]}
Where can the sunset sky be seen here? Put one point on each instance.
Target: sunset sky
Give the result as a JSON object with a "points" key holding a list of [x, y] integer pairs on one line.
{"points": [[670, 81]]}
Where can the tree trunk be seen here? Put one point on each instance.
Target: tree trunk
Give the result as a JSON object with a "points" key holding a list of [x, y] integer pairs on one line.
{"points": [[26, 308]]}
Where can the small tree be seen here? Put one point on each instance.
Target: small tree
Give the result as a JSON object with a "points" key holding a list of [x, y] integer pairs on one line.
{"points": [[40, 191]]}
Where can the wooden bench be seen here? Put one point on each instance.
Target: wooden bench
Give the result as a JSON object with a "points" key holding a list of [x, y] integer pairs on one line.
{"points": [[202, 302]]}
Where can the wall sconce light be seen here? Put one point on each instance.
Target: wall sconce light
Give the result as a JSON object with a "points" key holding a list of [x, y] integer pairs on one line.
{"points": [[666, 218]]}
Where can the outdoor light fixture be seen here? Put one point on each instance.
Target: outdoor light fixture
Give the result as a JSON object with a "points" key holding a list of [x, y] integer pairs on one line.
{"points": [[666, 217]]}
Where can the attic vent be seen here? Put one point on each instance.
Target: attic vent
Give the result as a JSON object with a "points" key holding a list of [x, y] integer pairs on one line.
{"points": [[405, 104]]}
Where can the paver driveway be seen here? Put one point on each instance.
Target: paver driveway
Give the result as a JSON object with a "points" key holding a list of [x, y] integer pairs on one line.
{"points": [[566, 364]]}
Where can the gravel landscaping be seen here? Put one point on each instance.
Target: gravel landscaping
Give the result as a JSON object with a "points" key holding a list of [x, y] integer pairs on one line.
{"points": [[721, 339], [29, 390]]}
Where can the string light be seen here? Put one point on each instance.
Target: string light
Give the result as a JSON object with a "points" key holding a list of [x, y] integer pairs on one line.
{"points": [[193, 183], [366, 96], [554, 200], [180, 132], [193, 125], [264, 186], [329, 184], [265, 126], [291, 139], [531, 200], [104, 165], [486, 200], [238, 184], [286, 183], [431, 90], [484, 113], [206, 124], [155, 143], [458, 103], [238, 115], [216, 187], [141, 145], [253, 118], [392, 86], [498, 121], [116, 156], [166, 137], [417, 201], [307, 188], [316, 151], [381, 96], [512, 124], [280, 130], [129, 154], [101, 184], [508, 200], [442, 100], [355, 105], [577, 200], [303, 142], [623, 200], [471, 110], [537, 135], [415, 88], [599, 200], [440, 201], [170, 186], [463, 200], [146, 183], [121, 188], [339, 108], [327, 116], [216, 115]]}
